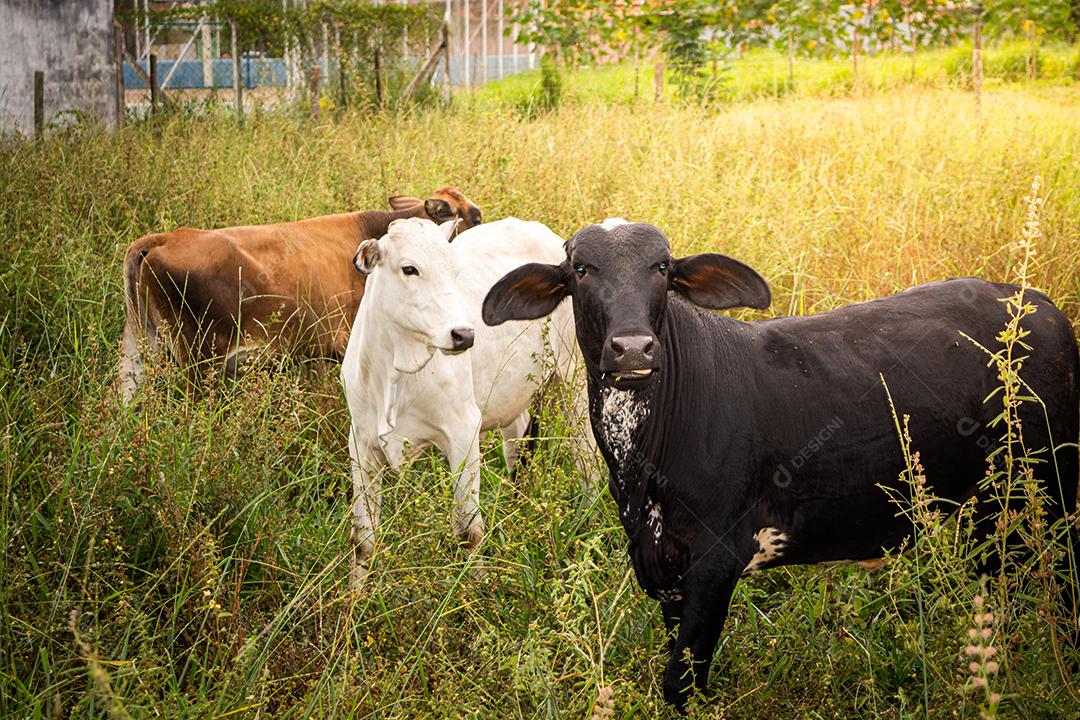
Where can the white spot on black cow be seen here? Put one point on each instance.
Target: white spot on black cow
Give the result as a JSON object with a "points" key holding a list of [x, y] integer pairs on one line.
{"points": [[620, 414], [613, 222], [674, 595], [771, 543], [654, 518]]}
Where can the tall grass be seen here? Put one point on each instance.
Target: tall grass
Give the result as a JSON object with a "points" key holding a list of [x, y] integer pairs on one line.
{"points": [[189, 558]]}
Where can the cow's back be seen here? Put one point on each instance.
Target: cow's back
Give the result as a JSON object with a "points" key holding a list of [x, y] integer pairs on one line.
{"points": [[508, 360], [830, 381], [291, 282]]}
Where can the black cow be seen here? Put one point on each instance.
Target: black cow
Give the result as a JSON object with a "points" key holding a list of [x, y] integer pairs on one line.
{"points": [[736, 446]]}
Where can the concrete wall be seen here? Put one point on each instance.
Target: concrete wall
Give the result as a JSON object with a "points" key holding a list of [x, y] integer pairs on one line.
{"points": [[72, 41]]}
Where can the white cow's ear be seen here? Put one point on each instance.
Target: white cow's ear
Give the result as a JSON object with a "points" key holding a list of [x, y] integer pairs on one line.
{"points": [[368, 256], [449, 228]]}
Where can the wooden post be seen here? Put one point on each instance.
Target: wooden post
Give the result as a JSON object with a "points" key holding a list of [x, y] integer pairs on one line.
{"points": [[514, 49], [854, 54], [39, 103], [502, 38], [118, 62], [976, 58], [313, 89], [446, 56], [153, 84], [207, 54], [341, 65], [658, 81], [467, 7], [378, 77], [914, 48], [484, 42], [447, 17], [144, 76], [1033, 56], [425, 71], [790, 59], [238, 69]]}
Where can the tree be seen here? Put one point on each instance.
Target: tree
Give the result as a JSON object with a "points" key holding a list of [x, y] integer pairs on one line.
{"points": [[1031, 20]]}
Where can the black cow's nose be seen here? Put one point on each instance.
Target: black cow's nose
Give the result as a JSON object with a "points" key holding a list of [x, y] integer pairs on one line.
{"points": [[633, 352], [462, 338]]}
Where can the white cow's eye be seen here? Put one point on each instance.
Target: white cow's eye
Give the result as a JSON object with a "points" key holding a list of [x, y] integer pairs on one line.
{"points": [[409, 270]]}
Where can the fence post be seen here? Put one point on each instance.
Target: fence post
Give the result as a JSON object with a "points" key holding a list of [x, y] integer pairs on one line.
{"points": [[118, 61], [207, 54], [446, 54], [467, 7], [238, 69], [658, 81], [976, 58], [914, 49], [484, 42], [502, 39], [377, 62], [153, 84], [854, 54], [790, 59], [313, 89], [39, 103], [1033, 56]]}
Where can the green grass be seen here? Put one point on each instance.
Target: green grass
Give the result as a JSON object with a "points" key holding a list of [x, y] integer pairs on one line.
{"points": [[201, 540], [764, 73]]}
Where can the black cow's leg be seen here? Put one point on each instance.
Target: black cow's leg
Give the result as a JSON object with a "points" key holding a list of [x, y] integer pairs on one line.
{"points": [[672, 612], [706, 596], [1070, 591]]}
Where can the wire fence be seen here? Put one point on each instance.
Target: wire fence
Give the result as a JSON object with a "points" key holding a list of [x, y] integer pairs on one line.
{"points": [[482, 47]]}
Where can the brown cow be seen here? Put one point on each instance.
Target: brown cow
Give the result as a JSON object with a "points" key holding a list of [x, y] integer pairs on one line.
{"points": [[289, 285]]}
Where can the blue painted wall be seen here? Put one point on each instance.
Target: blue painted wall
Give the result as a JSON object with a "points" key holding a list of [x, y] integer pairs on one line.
{"points": [[263, 72], [256, 72]]}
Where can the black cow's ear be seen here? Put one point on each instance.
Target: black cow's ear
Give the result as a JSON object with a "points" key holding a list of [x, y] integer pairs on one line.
{"points": [[438, 210], [526, 293], [717, 282]]}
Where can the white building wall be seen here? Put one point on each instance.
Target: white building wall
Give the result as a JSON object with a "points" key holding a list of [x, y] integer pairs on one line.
{"points": [[72, 42]]}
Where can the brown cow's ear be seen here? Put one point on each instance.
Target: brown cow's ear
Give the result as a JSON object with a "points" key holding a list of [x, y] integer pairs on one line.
{"points": [[438, 210], [368, 256], [403, 202], [717, 282], [526, 293]]}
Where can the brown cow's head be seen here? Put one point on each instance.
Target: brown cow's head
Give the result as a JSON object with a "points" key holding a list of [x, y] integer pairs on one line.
{"points": [[445, 204]]}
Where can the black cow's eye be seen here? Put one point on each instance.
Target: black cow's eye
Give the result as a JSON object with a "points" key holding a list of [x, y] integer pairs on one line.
{"points": [[409, 270], [580, 270], [662, 267]]}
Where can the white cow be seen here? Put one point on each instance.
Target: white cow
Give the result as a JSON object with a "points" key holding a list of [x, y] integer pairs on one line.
{"points": [[407, 376]]}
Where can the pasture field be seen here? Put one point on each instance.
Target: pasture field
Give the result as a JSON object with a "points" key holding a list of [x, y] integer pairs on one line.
{"points": [[762, 73], [188, 558]]}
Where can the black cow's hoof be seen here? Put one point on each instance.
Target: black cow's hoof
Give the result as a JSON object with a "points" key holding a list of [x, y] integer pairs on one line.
{"points": [[676, 698]]}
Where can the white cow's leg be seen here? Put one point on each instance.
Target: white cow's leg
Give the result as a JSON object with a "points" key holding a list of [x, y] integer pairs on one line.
{"points": [[131, 366], [463, 452], [576, 408], [367, 470], [131, 357], [512, 436]]}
